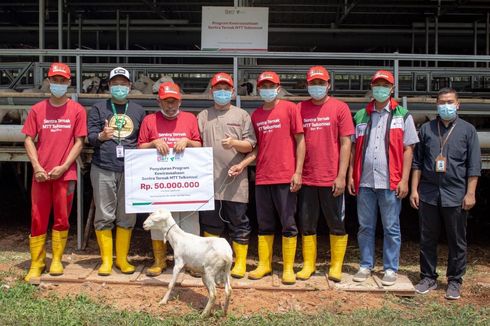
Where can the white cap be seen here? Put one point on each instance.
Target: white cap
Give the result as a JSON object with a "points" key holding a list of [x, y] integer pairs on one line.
{"points": [[119, 71]]}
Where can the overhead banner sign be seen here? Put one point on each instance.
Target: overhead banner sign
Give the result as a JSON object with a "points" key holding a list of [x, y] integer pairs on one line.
{"points": [[176, 182], [234, 28]]}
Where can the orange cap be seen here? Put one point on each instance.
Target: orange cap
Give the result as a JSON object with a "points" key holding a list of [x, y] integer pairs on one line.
{"points": [[221, 77], [268, 76], [317, 72], [169, 89], [383, 74], [59, 69]]}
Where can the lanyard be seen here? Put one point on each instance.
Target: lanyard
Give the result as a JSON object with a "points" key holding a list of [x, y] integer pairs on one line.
{"points": [[443, 142], [119, 121]]}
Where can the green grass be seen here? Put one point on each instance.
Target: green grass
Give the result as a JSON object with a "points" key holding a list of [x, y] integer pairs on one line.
{"points": [[21, 304]]}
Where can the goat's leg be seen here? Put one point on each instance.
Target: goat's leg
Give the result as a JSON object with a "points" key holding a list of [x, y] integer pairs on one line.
{"points": [[227, 294], [211, 286], [179, 264]]}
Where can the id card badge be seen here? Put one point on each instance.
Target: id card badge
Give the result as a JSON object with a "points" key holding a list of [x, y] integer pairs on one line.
{"points": [[119, 151], [440, 163]]}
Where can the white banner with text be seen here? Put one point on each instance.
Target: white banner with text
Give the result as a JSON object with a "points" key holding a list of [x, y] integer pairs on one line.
{"points": [[234, 28], [177, 181]]}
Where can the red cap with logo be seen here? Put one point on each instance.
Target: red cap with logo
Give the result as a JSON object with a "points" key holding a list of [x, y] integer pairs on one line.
{"points": [[221, 77], [169, 89], [383, 74], [59, 69], [269, 76], [317, 72]]}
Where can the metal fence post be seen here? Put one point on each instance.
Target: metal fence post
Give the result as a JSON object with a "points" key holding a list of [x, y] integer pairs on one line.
{"points": [[396, 70], [79, 73], [235, 80]]}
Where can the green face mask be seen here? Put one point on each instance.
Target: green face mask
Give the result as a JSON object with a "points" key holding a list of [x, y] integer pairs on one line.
{"points": [[119, 92], [381, 93]]}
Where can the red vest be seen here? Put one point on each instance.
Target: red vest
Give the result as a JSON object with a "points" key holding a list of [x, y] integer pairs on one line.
{"points": [[393, 141]]}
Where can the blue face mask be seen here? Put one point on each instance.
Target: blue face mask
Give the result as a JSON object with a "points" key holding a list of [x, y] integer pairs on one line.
{"points": [[317, 92], [222, 96], [119, 92], [58, 90], [268, 95], [381, 93], [447, 111]]}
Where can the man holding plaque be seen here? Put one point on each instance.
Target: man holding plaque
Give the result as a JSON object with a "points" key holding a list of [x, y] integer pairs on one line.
{"points": [[163, 130], [113, 126]]}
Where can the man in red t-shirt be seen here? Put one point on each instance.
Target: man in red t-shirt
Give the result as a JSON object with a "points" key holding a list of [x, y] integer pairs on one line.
{"points": [[280, 156], [169, 128], [60, 125], [328, 126]]}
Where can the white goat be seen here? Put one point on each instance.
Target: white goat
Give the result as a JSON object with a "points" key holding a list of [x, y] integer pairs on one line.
{"points": [[212, 257]]}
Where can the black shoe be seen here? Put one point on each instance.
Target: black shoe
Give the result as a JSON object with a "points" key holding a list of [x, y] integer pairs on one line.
{"points": [[452, 290], [426, 285]]}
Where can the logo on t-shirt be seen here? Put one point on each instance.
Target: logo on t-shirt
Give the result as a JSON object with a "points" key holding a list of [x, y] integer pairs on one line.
{"points": [[268, 126], [171, 137], [56, 125], [317, 123], [127, 126]]}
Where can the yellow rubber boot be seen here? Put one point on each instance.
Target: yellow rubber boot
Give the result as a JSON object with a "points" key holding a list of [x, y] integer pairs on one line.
{"points": [[265, 258], [37, 246], [288, 253], [338, 245], [104, 239], [58, 244], [160, 254], [309, 257], [240, 267], [210, 235], [123, 239]]}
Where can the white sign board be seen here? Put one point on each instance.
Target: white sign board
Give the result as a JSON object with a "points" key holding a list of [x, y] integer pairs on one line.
{"points": [[177, 182], [234, 28]]}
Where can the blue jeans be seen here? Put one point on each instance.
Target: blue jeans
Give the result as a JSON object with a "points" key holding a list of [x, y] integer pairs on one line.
{"points": [[368, 201]]}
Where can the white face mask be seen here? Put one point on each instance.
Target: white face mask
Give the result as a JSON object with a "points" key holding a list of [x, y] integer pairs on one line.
{"points": [[170, 116]]}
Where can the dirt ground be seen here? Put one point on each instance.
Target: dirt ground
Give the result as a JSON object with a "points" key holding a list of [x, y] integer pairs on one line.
{"points": [[14, 261]]}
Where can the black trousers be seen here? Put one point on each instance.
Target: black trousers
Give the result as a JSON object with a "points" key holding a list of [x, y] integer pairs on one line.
{"points": [[431, 218], [276, 203], [310, 200], [234, 214]]}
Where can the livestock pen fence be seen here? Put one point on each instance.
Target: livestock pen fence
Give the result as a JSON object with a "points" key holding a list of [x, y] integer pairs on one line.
{"points": [[242, 65]]}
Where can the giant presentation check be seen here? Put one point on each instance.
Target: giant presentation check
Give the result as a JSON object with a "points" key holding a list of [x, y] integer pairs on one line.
{"points": [[177, 182]]}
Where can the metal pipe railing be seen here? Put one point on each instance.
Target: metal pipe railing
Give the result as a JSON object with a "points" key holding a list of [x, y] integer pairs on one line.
{"points": [[247, 54]]}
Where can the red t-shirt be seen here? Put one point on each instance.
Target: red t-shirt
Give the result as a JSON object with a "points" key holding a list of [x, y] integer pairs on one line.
{"points": [[275, 130], [56, 128], [156, 126], [323, 126]]}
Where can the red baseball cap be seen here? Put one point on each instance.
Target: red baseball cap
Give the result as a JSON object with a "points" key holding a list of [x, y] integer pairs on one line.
{"points": [[169, 89], [59, 69], [221, 77], [383, 74], [268, 76], [317, 72]]}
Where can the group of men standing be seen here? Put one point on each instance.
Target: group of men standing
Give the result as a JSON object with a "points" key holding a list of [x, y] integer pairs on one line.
{"points": [[304, 162]]}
